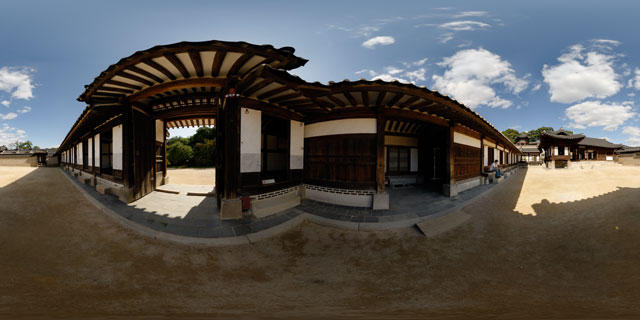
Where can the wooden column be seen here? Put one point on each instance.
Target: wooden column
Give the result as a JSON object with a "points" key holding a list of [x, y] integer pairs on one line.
{"points": [[380, 123], [127, 148], [450, 155], [481, 153], [219, 154], [230, 206]]}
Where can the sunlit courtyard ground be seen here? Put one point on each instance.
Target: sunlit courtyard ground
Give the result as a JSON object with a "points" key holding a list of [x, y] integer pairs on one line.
{"points": [[542, 243], [192, 176]]}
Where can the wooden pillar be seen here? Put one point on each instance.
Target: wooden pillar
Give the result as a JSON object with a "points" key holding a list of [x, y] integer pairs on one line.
{"points": [[127, 148], [450, 155], [219, 154], [481, 153], [231, 207], [380, 124]]}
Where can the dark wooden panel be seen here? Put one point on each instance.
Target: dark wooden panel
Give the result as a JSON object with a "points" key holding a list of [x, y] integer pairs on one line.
{"points": [[467, 161], [144, 154], [341, 160]]}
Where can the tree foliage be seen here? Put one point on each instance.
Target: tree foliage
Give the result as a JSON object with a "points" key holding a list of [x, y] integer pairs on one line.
{"points": [[197, 150], [511, 134], [23, 145], [534, 135]]}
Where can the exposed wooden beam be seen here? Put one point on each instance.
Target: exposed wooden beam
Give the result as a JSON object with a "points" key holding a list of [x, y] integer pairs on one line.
{"points": [[146, 74], [160, 68], [273, 92], [336, 100], [123, 84], [285, 97], [365, 98], [176, 85], [134, 78], [197, 62], [380, 98], [239, 63], [394, 113], [177, 63], [350, 98], [268, 108], [108, 94], [395, 99], [342, 113], [409, 102], [260, 85], [217, 63], [103, 88]]}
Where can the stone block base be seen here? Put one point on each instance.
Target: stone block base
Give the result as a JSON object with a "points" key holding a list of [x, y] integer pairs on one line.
{"points": [[381, 201], [230, 209]]}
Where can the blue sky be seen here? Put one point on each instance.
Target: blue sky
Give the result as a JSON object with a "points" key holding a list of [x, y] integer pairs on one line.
{"points": [[570, 64]]}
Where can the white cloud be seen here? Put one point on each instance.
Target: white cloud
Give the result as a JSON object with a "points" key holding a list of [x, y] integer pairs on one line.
{"points": [[416, 75], [8, 116], [25, 109], [634, 135], [17, 82], [470, 75], [379, 40], [466, 25], [536, 87], [607, 41], [446, 37], [393, 70], [420, 62], [470, 14], [10, 135], [581, 75], [5, 103], [389, 78], [635, 82], [596, 114]]}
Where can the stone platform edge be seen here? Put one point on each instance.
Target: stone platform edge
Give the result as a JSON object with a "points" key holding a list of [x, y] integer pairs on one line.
{"points": [[268, 233]]}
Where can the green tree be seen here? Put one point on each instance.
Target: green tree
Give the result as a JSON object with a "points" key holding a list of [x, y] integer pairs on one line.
{"points": [[23, 145], [534, 135], [204, 153], [511, 134], [179, 154], [202, 134]]}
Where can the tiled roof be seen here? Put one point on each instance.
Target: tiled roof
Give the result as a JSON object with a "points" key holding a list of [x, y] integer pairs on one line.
{"points": [[595, 142]]}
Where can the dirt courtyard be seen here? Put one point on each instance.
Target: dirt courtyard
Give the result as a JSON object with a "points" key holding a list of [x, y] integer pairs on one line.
{"points": [[559, 244], [192, 176]]}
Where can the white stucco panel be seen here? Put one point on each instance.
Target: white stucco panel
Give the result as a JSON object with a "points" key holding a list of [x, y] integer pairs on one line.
{"points": [[96, 143], [296, 149], [90, 153], [117, 147], [80, 161], [343, 126], [250, 138], [486, 156], [466, 140]]}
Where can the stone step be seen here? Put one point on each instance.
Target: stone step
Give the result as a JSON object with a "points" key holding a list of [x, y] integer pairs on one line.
{"points": [[266, 207]]}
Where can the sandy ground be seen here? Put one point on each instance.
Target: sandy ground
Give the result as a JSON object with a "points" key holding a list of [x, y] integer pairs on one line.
{"points": [[196, 176], [60, 257]]}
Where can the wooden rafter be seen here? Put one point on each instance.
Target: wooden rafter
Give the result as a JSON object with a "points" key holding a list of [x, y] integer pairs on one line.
{"points": [[336, 100], [176, 85], [123, 84], [103, 88], [409, 102], [380, 98], [365, 98], [134, 78], [177, 63], [239, 63], [217, 63], [273, 92], [285, 97], [395, 99], [160, 68], [254, 88], [145, 73], [197, 62], [350, 98]]}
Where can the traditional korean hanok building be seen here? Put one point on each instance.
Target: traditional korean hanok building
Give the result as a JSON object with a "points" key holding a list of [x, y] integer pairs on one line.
{"points": [[529, 149], [561, 147], [277, 135]]}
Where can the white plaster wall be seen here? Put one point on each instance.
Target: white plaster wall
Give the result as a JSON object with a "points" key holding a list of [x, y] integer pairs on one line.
{"points": [[117, 147], [486, 156], [96, 142], [414, 160], [344, 126], [80, 162], [90, 153], [296, 155], [400, 141], [555, 151], [566, 151], [496, 155], [250, 138], [488, 143], [466, 140], [159, 130]]}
